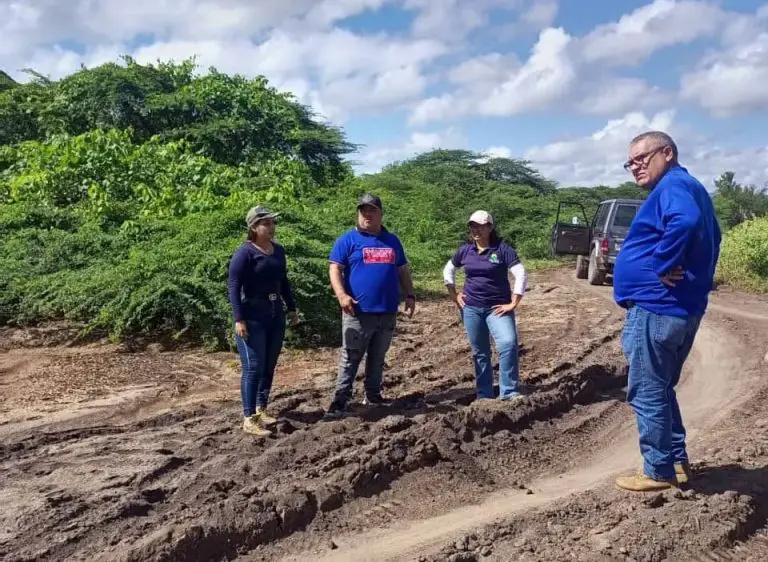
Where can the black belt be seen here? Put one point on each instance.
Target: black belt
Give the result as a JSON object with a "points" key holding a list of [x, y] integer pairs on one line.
{"points": [[263, 297], [628, 304]]}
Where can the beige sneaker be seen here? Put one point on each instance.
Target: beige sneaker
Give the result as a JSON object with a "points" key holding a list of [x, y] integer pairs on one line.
{"points": [[643, 483], [683, 472], [262, 415], [251, 425]]}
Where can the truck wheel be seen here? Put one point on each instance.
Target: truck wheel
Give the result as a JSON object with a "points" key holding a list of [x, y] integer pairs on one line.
{"points": [[582, 265], [594, 275]]}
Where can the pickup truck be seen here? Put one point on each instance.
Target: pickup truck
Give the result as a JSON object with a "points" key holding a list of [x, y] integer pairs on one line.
{"points": [[597, 243]]}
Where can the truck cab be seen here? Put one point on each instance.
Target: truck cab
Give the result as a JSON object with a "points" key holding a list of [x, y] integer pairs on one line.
{"points": [[597, 243]]}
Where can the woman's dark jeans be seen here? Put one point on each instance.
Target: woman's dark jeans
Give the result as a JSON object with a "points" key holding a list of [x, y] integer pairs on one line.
{"points": [[259, 352]]}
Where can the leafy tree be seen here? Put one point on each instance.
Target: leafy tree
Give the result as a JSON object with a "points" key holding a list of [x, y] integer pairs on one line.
{"points": [[20, 108], [6, 82], [517, 172], [106, 97], [736, 203]]}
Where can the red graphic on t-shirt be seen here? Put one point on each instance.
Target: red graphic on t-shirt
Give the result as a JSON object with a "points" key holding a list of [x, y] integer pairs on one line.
{"points": [[378, 255]]}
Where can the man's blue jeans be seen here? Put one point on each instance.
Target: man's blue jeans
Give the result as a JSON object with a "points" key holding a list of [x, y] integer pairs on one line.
{"points": [[656, 348], [258, 355], [480, 324]]}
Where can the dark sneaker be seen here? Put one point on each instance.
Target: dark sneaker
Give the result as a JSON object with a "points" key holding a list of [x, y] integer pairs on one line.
{"points": [[335, 412], [378, 400]]}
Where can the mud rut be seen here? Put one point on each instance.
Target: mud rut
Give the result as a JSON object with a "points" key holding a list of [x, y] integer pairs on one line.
{"points": [[435, 476]]}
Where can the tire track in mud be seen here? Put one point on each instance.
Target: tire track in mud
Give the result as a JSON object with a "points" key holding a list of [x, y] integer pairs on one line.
{"points": [[189, 485], [729, 497]]}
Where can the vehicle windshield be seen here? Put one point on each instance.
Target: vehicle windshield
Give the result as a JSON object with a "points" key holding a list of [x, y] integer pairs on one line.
{"points": [[624, 215]]}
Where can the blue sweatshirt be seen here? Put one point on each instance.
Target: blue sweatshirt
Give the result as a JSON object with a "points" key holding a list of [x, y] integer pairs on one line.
{"points": [[676, 226], [253, 275]]}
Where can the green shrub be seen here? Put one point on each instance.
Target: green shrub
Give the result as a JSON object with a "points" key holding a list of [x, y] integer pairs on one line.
{"points": [[744, 256]]}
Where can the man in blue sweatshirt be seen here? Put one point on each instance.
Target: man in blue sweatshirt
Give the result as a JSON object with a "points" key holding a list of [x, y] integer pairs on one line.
{"points": [[663, 275]]}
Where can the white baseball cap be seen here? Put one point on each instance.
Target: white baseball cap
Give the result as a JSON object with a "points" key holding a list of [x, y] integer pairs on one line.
{"points": [[481, 217]]}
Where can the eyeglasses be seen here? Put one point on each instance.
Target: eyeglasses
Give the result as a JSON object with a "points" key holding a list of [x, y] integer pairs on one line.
{"points": [[642, 160]]}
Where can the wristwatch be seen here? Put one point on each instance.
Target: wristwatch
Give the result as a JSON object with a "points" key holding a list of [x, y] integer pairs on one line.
{"points": [[410, 297]]}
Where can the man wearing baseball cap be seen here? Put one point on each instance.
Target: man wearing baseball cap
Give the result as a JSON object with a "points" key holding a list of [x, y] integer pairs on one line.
{"points": [[368, 266]]}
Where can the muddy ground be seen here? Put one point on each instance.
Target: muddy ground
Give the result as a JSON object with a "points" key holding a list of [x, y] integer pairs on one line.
{"points": [[107, 454]]}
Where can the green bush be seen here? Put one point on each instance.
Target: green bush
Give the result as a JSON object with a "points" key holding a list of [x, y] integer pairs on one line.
{"points": [[744, 256]]}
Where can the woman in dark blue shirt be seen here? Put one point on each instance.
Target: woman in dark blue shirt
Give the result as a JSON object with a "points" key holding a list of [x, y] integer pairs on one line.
{"points": [[488, 303], [257, 280]]}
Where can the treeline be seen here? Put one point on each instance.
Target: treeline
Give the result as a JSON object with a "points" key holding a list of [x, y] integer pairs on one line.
{"points": [[123, 190]]}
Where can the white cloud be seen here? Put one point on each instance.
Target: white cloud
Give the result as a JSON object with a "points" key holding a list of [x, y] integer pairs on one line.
{"points": [[31, 23], [453, 20], [373, 159], [730, 81], [498, 152], [661, 24], [497, 85], [617, 95], [598, 158], [543, 79], [541, 14], [490, 68]]}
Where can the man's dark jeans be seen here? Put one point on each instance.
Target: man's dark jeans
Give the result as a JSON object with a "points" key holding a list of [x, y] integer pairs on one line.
{"points": [[656, 348], [363, 334]]}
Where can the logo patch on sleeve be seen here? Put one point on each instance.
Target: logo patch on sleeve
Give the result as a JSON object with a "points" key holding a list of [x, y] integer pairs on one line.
{"points": [[378, 255]]}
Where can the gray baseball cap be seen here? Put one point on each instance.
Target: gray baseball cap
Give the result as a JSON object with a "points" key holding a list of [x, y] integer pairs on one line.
{"points": [[258, 213], [370, 199]]}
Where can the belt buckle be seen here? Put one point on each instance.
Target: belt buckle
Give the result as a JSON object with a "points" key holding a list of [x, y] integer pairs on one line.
{"points": [[272, 297]]}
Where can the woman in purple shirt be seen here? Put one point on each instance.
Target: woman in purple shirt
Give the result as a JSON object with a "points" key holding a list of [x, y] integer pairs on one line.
{"points": [[257, 281], [488, 303]]}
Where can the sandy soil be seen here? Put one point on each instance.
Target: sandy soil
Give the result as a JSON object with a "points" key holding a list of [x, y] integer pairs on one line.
{"points": [[114, 455]]}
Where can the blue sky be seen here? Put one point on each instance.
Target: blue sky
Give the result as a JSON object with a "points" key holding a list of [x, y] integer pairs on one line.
{"points": [[548, 81]]}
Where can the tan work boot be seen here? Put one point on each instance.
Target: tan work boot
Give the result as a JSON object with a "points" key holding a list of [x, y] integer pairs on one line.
{"points": [[683, 472], [264, 417], [643, 483], [251, 425]]}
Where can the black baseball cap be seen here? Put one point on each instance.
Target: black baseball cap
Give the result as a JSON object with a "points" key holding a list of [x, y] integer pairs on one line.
{"points": [[370, 199]]}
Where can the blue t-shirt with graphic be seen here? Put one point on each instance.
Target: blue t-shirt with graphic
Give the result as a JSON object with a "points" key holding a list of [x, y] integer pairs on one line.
{"points": [[487, 273], [371, 263]]}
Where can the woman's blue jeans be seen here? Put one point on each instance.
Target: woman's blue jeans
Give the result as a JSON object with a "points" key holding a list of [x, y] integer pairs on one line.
{"points": [[480, 324], [258, 355]]}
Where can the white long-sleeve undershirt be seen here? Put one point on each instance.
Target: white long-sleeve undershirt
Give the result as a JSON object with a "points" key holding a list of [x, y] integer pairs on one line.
{"points": [[517, 271]]}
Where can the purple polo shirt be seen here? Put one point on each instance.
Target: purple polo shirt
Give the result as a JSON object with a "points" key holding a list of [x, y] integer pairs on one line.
{"points": [[487, 273]]}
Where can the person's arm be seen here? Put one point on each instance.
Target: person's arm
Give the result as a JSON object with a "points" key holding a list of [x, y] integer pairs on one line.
{"points": [[339, 258], [516, 268], [521, 282], [235, 282], [449, 277], [335, 273], [405, 277], [237, 267], [680, 217], [286, 289]]}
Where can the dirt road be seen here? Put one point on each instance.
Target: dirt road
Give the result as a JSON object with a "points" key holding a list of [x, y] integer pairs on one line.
{"points": [[138, 456]]}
